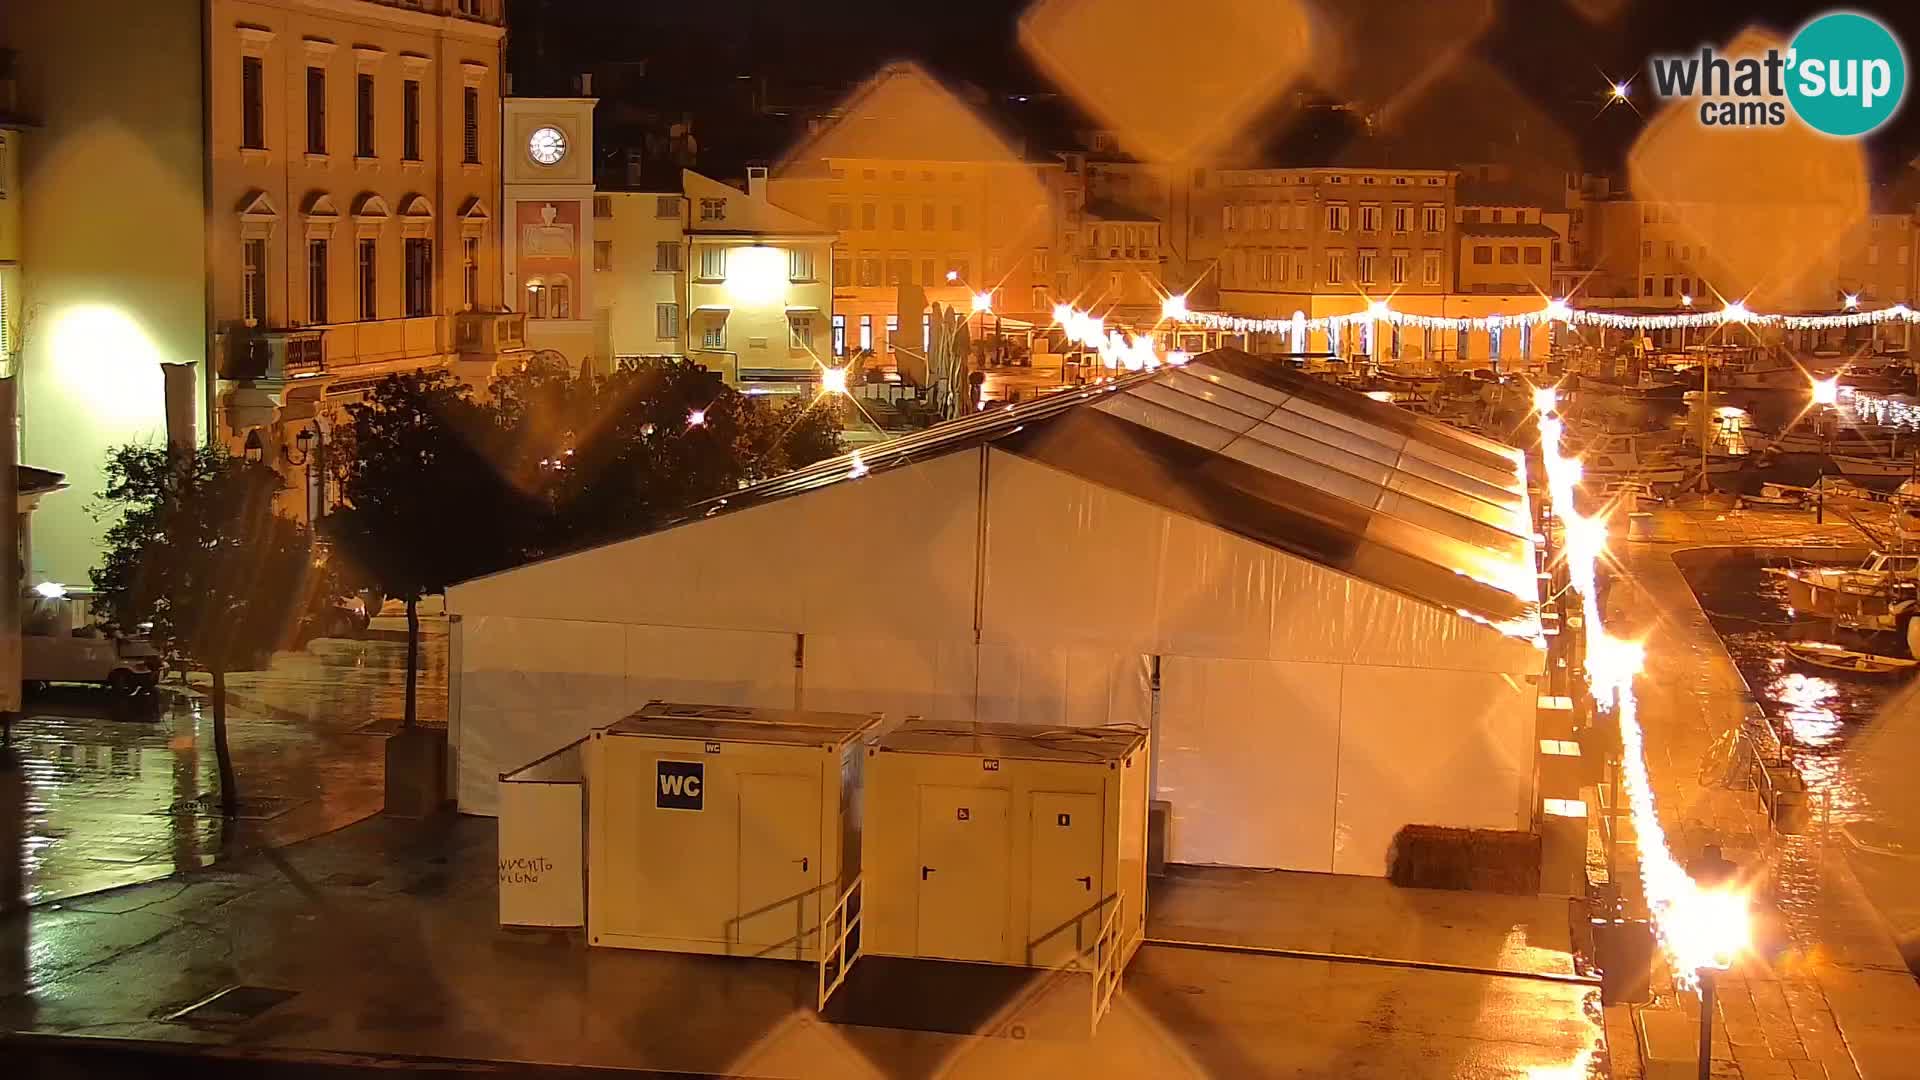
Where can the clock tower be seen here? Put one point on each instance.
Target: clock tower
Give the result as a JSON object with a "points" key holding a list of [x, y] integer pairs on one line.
{"points": [[546, 168]]}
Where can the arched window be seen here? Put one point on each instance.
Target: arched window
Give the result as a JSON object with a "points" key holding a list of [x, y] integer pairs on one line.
{"points": [[550, 297]]}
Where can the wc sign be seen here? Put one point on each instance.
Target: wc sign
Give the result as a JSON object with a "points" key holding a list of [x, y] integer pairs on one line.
{"points": [[679, 785]]}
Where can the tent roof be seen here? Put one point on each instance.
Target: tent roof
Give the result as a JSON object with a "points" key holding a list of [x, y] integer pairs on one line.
{"points": [[1272, 455]]}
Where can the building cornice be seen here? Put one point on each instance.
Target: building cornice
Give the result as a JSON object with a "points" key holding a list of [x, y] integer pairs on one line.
{"points": [[452, 26]]}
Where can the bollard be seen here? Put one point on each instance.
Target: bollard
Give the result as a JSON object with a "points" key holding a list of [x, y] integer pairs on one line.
{"points": [[1623, 950]]}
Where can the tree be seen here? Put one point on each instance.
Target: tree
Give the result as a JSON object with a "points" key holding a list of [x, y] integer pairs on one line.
{"points": [[615, 456], [198, 552], [426, 501]]}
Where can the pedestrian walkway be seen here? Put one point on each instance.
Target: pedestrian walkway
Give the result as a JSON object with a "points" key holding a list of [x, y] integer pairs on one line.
{"points": [[1826, 993], [116, 795], [359, 683], [381, 939]]}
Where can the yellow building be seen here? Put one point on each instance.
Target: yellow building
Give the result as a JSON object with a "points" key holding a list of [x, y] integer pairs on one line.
{"points": [[290, 198], [928, 205], [758, 285], [640, 271]]}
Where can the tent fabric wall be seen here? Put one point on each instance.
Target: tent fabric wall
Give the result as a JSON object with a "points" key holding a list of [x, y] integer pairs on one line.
{"points": [[1312, 766], [530, 686], [1124, 573], [798, 565]]}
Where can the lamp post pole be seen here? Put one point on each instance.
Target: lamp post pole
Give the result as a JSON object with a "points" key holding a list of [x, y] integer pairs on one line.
{"points": [[1706, 1022]]}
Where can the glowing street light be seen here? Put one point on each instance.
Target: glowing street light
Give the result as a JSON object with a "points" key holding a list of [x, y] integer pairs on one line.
{"points": [[982, 302], [1620, 91], [953, 275], [1174, 307], [51, 590], [1063, 314], [697, 418], [1826, 391], [1853, 301], [1686, 300], [833, 380]]}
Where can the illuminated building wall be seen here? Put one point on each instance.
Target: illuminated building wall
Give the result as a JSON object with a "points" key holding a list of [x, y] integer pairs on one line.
{"points": [[287, 195], [552, 232], [646, 248], [759, 283], [112, 282], [913, 221]]}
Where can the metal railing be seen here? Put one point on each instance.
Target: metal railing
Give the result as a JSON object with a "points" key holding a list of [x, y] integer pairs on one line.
{"points": [[1107, 954], [839, 927]]}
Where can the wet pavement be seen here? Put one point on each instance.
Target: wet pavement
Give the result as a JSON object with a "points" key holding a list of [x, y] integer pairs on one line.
{"points": [[119, 792], [380, 938], [1825, 993]]}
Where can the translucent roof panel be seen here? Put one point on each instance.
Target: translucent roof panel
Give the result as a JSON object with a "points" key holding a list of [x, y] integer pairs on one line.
{"points": [[1454, 503]]}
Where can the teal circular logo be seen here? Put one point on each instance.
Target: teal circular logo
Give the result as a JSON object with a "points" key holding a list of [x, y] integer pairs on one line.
{"points": [[1846, 74]]}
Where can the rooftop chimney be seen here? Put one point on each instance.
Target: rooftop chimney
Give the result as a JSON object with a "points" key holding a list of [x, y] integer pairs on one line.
{"points": [[586, 84], [757, 182]]}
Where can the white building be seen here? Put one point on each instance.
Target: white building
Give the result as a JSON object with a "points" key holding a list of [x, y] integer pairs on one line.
{"points": [[1323, 607]]}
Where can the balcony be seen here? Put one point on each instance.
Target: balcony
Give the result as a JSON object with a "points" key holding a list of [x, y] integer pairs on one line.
{"points": [[384, 341], [489, 333], [271, 355], [280, 354]]}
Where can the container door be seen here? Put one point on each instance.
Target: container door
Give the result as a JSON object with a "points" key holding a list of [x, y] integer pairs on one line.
{"points": [[779, 902], [963, 873], [1065, 880]]}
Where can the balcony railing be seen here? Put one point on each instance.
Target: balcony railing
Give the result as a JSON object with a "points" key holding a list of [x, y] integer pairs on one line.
{"points": [[490, 333], [381, 341], [303, 352], [482, 11]]}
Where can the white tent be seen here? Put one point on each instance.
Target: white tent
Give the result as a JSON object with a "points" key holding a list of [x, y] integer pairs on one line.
{"points": [[1321, 605]]}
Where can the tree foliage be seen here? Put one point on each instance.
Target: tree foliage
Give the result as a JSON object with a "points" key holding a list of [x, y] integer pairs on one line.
{"points": [[423, 502], [619, 455], [198, 552]]}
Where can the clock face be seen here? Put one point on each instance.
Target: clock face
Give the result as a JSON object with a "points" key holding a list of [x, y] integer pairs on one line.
{"points": [[547, 145]]}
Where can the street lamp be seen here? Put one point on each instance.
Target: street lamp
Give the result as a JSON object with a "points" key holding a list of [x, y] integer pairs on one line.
{"points": [[313, 456], [304, 440], [254, 448]]}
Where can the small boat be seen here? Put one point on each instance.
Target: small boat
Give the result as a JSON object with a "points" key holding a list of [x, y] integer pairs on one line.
{"points": [[1863, 441], [1822, 654], [1628, 457], [1643, 390], [1778, 497], [1879, 594], [1852, 465], [1777, 375]]}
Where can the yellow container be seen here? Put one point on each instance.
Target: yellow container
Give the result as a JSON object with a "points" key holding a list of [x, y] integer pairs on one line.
{"points": [[1005, 844], [722, 830]]}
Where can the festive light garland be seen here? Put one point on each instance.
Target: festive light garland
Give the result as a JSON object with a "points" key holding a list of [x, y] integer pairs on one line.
{"points": [[1174, 308], [1134, 352], [1702, 927]]}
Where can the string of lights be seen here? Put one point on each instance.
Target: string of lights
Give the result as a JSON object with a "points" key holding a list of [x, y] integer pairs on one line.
{"points": [[1174, 308]]}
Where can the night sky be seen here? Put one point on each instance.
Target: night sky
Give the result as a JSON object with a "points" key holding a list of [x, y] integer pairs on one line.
{"points": [[1549, 52]]}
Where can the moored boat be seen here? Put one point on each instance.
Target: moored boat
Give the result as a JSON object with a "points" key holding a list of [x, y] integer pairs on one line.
{"points": [[1832, 657], [1854, 465]]}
